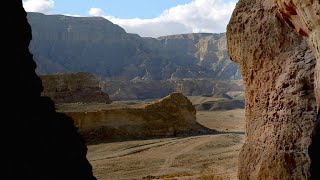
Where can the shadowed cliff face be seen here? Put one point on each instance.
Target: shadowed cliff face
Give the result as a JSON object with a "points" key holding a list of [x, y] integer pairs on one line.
{"points": [[304, 17], [278, 72], [36, 141]]}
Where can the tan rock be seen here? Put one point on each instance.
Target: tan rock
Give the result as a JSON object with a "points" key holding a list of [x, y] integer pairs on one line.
{"points": [[304, 17], [278, 72], [172, 115], [73, 87]]}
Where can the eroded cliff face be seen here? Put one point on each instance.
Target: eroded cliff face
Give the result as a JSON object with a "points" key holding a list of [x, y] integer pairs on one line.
{"points": [[73, 87], [94, 44], [172, 115], [278, 72], [304, 17]]}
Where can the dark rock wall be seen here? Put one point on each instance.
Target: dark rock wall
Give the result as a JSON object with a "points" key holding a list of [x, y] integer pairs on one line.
{"points": [[36, 142]]}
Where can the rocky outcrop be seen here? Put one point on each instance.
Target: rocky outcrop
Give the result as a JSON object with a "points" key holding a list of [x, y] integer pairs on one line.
{"points": [[278, 72], [36, 142], [304, 17], [171, 116], [73, 87], [64, 44]]}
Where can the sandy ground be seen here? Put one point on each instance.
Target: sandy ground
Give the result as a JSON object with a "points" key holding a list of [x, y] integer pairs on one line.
{"points": [[196, 157]]}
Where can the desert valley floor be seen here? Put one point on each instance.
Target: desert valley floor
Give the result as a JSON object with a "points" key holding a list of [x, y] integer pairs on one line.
{"points": [[211, 156]]}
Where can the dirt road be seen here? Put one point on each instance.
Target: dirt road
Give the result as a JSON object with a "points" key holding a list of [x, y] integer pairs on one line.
{"points": [[176, 158]]}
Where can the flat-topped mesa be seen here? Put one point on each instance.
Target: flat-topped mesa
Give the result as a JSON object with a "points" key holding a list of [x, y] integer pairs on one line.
{"points": [[278, 72], [172, 115]]}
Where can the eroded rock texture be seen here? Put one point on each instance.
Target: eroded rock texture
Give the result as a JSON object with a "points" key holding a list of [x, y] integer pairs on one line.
{"points": [[278, 71], [36, 142], [304, 17], [73, 87], [170, 116]]}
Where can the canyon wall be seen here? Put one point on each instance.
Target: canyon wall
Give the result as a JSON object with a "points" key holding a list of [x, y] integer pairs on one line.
{"points": [[304, 17], [64, 44], [170, 116], [278, 72]]}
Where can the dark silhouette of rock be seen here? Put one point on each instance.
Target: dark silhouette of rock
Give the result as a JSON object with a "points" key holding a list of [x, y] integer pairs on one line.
{"points": [[36, 142]]}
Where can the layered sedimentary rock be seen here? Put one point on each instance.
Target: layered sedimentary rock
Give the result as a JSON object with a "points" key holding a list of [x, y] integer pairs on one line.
{"points": [[172, 115], [73, 87], [94, 44], [304, 17], [278, 72], [36, 142]]}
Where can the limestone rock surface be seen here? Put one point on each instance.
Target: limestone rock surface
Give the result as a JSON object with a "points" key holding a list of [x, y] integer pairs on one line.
{"points": [[278, 72], [304, 17]]}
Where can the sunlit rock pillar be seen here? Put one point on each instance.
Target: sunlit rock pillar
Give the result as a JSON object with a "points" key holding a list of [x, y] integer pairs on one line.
{"points": [[304, 17], [278, 71]]}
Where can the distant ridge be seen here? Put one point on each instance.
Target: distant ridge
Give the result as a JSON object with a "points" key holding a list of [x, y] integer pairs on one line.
{"points": [[63, 44]]}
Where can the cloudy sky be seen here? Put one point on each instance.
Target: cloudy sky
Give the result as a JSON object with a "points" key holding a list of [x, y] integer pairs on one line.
{"points": [[148, 18]]}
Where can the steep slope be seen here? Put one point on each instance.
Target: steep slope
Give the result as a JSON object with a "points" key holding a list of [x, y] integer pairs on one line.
{"points": [[278, 72], [94, 44]]}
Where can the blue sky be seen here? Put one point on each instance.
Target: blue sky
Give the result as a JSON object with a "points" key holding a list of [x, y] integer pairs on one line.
{"points": [[117, 8], [151, 18]]}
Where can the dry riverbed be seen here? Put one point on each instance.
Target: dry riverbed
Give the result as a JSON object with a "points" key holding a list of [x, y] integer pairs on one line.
{"points": [[212, 156]]}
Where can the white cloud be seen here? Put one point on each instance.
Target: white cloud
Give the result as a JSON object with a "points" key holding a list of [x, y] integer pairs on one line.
{"points": [[43, 6], [197, 16], [96, 12]]}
